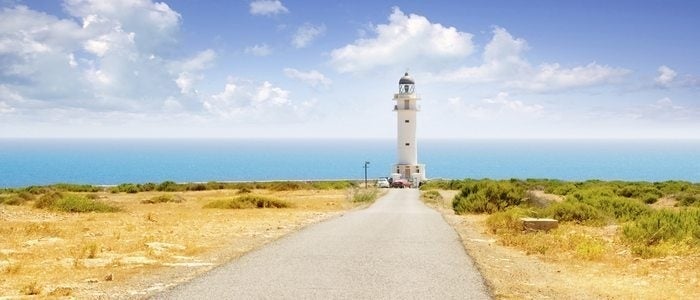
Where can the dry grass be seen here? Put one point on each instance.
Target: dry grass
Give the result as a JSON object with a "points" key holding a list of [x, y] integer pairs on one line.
{"points": [[573, 261], [143, 245]]}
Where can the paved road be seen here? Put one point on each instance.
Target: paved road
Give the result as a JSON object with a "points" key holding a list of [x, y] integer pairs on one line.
{"points": [[396, 249]]}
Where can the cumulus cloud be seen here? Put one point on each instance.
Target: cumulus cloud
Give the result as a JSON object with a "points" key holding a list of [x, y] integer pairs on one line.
{"points": [[313, 78], [666, 76], [108, 56], [400, 42], [267, 7], [5, 108], [246, 101], [259, 50], [189, 70], [665, 109], [154, 24], [503, 62], [306, 33], [494, 107]]}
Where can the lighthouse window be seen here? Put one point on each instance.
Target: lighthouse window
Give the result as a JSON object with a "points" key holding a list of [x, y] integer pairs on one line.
{"points": [[406, 104], [408, 144], [406, 121]]}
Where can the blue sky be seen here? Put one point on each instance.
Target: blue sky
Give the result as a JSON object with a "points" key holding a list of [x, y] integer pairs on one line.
{"points": [[328, 69]]}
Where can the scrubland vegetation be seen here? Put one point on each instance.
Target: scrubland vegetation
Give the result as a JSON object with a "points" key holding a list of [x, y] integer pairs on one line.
{"points": [[653, 219], [90, 241]]}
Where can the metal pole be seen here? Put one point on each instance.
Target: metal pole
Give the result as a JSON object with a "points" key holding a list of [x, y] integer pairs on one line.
{"points": [[366, 166]]}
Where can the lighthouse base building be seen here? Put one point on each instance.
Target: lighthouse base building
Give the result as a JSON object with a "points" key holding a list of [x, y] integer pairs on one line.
{"points": [[406, 108]]}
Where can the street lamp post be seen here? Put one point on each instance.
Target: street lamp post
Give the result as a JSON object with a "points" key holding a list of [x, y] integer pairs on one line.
{"points": [[366, 166]]}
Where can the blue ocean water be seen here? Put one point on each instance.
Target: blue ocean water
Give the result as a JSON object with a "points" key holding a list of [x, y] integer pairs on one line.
{"points": [[37, 162]]}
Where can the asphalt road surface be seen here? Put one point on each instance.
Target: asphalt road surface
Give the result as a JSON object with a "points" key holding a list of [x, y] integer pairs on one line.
{"points": [[396, 249]]}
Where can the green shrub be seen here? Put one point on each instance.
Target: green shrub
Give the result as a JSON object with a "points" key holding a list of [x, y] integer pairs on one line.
{"points": [[168, 186], [244, 190], [367, 195], [688, 199], [164, 199], [333, 185], [508, 221], [573, 211], [12, 200], [75, 188], [196, 187], [665, 225], [80, 204], [284, 186], [126, 188], [441, 184], [622, 209], [213, 185], [432, 196], [147, 187], [47, 200], [488, 196], [248, 201]]}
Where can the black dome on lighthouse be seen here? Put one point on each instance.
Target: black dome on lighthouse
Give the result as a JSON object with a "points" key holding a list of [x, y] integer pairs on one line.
{"points": [[406, 79]]}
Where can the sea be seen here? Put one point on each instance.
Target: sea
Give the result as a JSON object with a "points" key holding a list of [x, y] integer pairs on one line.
{"points": [[25, 162]]}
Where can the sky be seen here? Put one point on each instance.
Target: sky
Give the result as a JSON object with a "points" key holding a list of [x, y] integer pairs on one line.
{"points": [[328, 69]]}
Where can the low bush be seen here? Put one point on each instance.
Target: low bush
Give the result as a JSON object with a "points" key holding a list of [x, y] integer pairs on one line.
{"points": [[508, 221], [441, 184], [665, 226], [365, 195], [17, 199], [622, 209], [47, 200], [333, 185], [432, 196], [488, 196], [168, 186], [126, 188], [248, 201], [688, 199], [166, 198], [576, 212], [80, 204], [196, 187], [75, 188], [72, 203]]}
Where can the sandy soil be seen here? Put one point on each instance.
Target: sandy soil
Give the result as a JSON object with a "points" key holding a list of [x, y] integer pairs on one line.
{"points": [[147, 247], [513, 274]]}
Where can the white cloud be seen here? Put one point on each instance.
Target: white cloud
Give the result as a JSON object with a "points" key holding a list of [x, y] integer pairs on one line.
{"points": [[5, 108], [665, 110], [306, 34], [504, 103], [202, 60], [549, 77], [189, 70], [313, 77], [498, 106], [404, 40], [249, 102], [259, 50], [504, 63], [106, 57], [267, 7], [154, 23], [666, 76]]}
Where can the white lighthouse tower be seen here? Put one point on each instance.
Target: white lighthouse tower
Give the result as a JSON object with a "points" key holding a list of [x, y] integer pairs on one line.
{"points": [[406, 107]]}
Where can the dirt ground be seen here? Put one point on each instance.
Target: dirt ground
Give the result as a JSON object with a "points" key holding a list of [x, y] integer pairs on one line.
{"points": [[514, 274], [146, 247]]}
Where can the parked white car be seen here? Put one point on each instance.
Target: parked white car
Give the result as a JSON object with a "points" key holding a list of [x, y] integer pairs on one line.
{"points": [[382, 183]]}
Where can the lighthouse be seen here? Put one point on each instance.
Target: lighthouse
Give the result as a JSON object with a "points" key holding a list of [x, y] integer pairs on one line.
{"points": [[406, 108]]}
